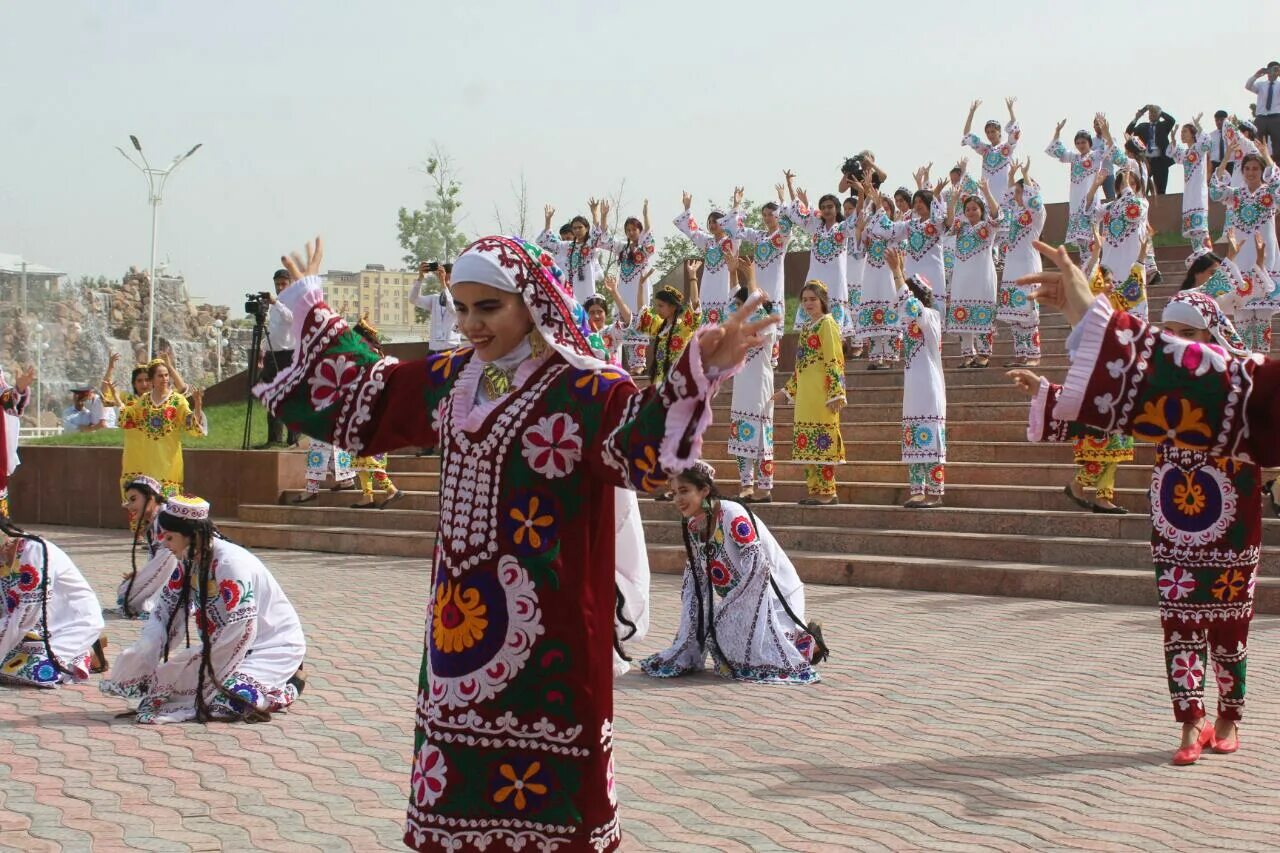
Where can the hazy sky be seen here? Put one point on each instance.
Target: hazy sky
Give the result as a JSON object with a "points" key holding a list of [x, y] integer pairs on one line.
{"points": [[314, 115]]}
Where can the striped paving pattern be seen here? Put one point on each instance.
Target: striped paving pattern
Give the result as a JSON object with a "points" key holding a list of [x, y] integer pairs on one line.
{"points": [[946, 722]]}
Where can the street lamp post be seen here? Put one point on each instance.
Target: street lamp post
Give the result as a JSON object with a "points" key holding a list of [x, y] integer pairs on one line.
{"points": [[156, 179], [39, 373], [217, 345]]}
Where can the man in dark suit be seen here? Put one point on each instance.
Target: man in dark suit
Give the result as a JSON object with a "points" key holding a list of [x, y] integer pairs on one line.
{"points": [[1153, 136]]}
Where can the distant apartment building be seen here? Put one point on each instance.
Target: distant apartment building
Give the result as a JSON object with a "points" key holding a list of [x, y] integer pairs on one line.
{"points": [[382, 293]]}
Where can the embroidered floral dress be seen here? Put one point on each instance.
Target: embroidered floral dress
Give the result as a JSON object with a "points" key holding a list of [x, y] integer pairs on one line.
{"points": [[818, 379], [751, 407], [1195, 186], [32, 588], [995, 158], [717, 254], [579, 260], [1253, 212], [971, 310], [924, 394], [922, 239], [876, 315], [1123, 225], [1213, 418], [1084, 167], [667, 340], [828, 263], [160, 427], [141, 591], [514, 732], [770, 254], [634, 260], [1024, 224], [256, 641], [731, 606]]}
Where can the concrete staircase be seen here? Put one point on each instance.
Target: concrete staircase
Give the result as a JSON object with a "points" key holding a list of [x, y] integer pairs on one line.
{"points": [[1006, 528]]}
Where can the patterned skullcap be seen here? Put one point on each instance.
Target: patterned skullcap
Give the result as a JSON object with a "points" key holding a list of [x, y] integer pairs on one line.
{"points": [[189, 507], [143, 480], [669, 295], [703, 468]]}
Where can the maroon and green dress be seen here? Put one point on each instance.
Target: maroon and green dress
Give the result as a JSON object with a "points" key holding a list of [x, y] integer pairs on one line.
{"points": [[514, 733]]}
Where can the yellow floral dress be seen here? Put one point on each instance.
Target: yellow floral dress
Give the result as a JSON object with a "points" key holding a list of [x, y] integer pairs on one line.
{"points": [[668, 341], [157, 431], [818, 379]]}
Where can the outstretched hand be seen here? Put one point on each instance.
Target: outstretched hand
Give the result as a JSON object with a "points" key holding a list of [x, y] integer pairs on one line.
{"points": [[1065, 289], [301, 269], [25, 377], [1025, 381], [725, 346]]}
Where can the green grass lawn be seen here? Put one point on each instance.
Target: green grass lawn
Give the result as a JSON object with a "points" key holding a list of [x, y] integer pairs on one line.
{"points": [[226, 431]]}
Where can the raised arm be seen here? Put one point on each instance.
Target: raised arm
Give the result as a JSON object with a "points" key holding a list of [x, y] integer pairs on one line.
{"points": [[645, 217], [109, 396], [179, 384], [968, 122], [691, 267]]}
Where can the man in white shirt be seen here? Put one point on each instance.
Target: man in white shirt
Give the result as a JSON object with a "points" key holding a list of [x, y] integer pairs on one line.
{"points": [[1217, 144], [443, 319], [279, 355], [1267, 109], [85, 414]]}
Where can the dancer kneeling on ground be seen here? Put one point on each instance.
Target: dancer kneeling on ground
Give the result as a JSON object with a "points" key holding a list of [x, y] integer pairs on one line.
{"points": [[247, 658], [51, 623], [741, 600], [140, 588]]}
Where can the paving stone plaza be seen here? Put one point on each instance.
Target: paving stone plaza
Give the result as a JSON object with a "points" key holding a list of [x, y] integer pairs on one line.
{"points": [[943, 722]]}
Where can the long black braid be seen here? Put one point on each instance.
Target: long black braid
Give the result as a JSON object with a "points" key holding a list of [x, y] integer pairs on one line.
{"points": [[619, 602], [706, 612], [140, 526], [202, 557], [15, 532], [663, 357]]}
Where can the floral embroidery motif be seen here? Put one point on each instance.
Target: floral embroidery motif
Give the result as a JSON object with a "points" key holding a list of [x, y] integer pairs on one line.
{"points": [[330, 377], [1176, 583], [501, 636], [428, 780], [516, 789], [1187, 670]]}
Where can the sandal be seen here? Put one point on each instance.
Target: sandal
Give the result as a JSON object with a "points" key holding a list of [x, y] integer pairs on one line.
{"points": [[1113, 510], [398, 496], [979, 365], [98, 656], [369, 505], [307, 498], [665, 497]]}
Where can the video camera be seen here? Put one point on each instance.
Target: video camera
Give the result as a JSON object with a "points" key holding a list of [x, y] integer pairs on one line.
{"points": [[855, 168], [257, 305]]}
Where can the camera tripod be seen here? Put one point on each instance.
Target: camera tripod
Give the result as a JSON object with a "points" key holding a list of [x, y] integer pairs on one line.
{"points": [[255, 350]]}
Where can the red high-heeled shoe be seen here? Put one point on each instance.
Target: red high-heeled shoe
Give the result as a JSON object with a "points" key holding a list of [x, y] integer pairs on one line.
{"points": [[1226, 747], [1191, 754]]}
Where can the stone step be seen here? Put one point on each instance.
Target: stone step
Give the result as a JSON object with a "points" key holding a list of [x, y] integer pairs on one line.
{"points": [[991, 452], [951, 545], [1094, 584], [1057, 474], [856, 411], [888, 493], [412, 514], [1089, 584], [880, 430]]}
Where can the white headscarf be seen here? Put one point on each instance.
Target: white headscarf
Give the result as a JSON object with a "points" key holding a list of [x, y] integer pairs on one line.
{"points": [[513, 265], [1199, 311]]}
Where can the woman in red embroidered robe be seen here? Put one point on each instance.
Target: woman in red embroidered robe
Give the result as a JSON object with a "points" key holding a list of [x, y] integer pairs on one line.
{"points": [[514, 734], [1213, 409]]}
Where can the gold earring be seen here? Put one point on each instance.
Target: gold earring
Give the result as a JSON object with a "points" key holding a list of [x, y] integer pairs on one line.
{"points": [[537, 345]]}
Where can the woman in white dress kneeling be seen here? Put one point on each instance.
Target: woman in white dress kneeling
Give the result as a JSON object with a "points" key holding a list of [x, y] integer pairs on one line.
{"points": [[51, 621], [245, 659], [742, 600]]}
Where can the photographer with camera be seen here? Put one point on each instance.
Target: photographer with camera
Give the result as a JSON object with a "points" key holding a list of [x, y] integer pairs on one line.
{"points": [[279, 355], [442, 319]]}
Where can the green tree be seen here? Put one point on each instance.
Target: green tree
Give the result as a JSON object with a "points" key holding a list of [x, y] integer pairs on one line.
{"points": [[434, 232]]}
